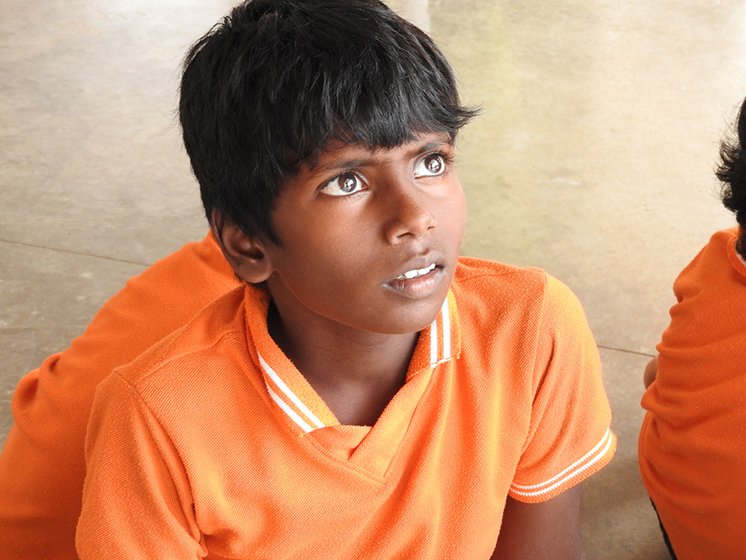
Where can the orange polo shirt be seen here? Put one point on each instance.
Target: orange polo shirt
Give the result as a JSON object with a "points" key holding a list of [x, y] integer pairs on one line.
{"points": [[42, 465], [692, 446], [212, 444]]}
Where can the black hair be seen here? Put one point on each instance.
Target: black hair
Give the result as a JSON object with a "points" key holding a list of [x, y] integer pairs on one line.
{"points": [[732, 173], [272, 84]]}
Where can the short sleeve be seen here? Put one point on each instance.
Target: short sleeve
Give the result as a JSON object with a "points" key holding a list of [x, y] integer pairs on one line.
{"points": [[136, 498], [569, 436]]}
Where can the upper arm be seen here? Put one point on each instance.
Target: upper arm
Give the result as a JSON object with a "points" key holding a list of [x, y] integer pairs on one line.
{"points": [[544, 530], [568, 438]]}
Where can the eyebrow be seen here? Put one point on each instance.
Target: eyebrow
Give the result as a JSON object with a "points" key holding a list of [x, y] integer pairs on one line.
{"points": [[353, 163]]}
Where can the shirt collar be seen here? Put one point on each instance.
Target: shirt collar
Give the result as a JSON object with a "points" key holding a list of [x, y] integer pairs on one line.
{"points": [[293, 395]]}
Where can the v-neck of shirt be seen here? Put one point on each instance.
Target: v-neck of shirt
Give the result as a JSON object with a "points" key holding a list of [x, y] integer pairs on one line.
{"points": [[300, 408]]}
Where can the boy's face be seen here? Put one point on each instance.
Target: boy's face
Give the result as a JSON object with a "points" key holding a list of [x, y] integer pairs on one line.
{"points": [[368, 238]]}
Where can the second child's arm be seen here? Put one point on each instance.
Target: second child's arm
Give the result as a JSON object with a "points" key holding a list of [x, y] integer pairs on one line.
{"points": [[543, 531], [651, 372]]}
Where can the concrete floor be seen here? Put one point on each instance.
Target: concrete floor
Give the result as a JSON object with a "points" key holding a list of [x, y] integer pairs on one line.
{"points": [[593, 159]]}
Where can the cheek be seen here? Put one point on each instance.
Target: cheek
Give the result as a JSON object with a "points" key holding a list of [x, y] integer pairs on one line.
{"points": [[326, 261], [453, 215]]}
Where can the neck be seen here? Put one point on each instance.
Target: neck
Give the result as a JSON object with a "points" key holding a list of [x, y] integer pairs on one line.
{"points": [[356, 373]]}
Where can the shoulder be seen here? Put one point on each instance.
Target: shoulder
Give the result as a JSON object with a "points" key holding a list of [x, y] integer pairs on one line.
{"points": [[505, 289], [178, 385], [189, 349], [715, 267], [725, 237], [719, 245], [522, 315], [481, 281], [470, 268]]}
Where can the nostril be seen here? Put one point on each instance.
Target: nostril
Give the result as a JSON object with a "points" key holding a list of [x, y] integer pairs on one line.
{"points": [[412, 225]]}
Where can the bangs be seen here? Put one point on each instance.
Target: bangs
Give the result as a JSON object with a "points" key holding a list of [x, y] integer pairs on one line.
{"points": [[367, 92]]}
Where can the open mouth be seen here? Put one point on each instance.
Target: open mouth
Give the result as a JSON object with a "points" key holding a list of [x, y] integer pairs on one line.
{"points": [[416, 273], [419, 283]]}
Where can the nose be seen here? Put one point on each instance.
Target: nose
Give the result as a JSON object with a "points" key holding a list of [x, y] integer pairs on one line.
{"points": [[410, 216]]}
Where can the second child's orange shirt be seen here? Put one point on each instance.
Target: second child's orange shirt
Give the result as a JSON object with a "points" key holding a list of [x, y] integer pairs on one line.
{"points": [[213, 445], [42, 465], [692, 446]]}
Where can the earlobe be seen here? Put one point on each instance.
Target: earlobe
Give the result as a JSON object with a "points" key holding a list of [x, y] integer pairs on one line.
{"points": [[246, 254]]}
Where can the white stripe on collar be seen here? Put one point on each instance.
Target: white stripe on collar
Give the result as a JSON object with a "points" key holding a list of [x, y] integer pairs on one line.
{"points": [[441, 323], [444, 319], [293, 398], [289, 411]]}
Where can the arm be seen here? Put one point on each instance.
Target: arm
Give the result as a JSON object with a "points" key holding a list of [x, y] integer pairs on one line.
{"points": [[568, 439], [651, 372], [541, 531]]}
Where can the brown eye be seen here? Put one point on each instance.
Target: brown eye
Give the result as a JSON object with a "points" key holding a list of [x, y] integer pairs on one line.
{"points": [[430, 166], [434, 165], [347, 183], [343, 185]]}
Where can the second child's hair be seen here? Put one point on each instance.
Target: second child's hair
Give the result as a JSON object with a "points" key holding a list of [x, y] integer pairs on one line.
{"points": [[732, 172], [277, 80]]}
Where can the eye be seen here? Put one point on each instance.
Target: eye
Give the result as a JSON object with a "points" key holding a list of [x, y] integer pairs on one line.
{"points": [[431, 165], [343, 185]]}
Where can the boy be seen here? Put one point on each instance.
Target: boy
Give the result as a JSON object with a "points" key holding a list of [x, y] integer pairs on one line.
{"points": [[366, 394], [692, 449]]}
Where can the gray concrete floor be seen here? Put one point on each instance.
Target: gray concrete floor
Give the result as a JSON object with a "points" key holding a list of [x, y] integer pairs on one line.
{"points": [[593, 159]]}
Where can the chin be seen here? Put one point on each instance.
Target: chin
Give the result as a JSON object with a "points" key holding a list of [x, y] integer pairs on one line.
{"points": [[411, 322]]}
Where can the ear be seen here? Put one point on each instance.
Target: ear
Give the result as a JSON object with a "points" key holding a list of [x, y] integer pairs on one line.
{"points": [[246, 254]]}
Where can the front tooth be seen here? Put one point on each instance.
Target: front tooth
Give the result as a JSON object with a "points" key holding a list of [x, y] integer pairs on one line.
{"points": [[414, 273]]}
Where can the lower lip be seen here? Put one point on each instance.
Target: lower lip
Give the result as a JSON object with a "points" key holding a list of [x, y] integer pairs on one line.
{"points": [[419, 287]]}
